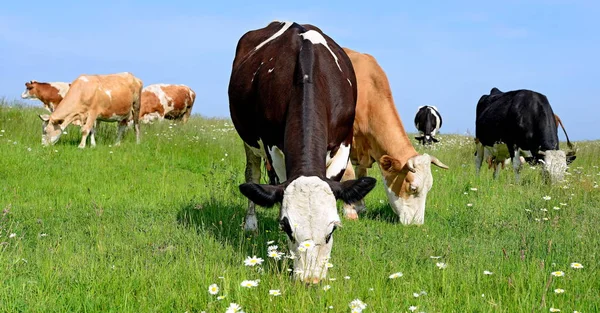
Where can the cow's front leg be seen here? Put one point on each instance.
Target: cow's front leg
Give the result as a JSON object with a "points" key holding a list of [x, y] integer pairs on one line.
{"points": [[252, 176], [478, 156], [93, 135], [86, 129], [351, 210], [515, 154]]}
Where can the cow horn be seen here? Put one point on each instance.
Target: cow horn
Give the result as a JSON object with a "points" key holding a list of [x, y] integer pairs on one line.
{"points": [[542, 152], [437, 162], [410, 164]]}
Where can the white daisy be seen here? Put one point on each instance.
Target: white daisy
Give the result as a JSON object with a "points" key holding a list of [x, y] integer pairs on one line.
{"points": [[357, 304], [275, 292], [576, 265], [546, 198], [554, 310], [252, 261], [412, 308], [396, 275], [441, 265], [306, 245], [559, 290], [234, 308], [249, 283], [213, 289], [558, 273], [326, 287]]}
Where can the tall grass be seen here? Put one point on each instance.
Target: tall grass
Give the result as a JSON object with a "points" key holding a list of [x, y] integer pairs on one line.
{"points": [[147, 228]]}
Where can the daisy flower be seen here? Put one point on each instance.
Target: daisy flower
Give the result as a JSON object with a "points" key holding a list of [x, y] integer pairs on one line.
{"points": [[326, 287], [305, 245], [434, 257], [441, 265], [270, 242], [473, 189], [328, 265], [249, 283], [271, 248], [416, 295], [13, 235], [234, 308], [357, 304], [558, 273], [221, 297], [576, 265], [252, 261], [396, 275], [275, 254], [275, 292], [412, 308], [213, 289], [558, 290], [487, 273], [554, 310], [346, 277], [546, 198]]}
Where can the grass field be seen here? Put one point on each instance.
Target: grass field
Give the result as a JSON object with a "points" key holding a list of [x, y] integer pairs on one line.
{"points": [[147, 228]]}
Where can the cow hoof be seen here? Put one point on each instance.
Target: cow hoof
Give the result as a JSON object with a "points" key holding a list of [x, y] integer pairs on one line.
{"points": [[81, 146], [350, 214], [251, 224]]}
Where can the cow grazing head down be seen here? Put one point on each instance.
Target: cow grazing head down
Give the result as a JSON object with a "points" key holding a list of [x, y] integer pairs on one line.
{"points": [[554, 165], [51, 130], [428, 122], [408, 185], [309, 216]]}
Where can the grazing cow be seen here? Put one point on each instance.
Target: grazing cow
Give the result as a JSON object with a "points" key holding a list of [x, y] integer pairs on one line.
{"points": [[108, 98], [428, 122], [51, 94], [523, 120], [173, 102], [379, 136], [292, 96]]}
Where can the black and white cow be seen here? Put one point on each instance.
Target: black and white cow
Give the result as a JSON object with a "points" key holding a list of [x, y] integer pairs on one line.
{"points": [[523, 120], [428, 121], [292, 99]]}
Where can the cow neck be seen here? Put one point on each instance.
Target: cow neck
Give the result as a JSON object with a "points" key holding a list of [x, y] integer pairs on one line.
{"points": [[68, 112], [395, 143], [305, 139]]}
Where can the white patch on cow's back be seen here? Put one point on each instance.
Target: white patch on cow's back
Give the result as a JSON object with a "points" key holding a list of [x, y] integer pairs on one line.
{"points": [[62, 88], [316, 38], [339, 161], [85, 79], [162, 96], [108, 93], [349, 82], [278, 162], [437, 120], [271, 70], [285, 27]]}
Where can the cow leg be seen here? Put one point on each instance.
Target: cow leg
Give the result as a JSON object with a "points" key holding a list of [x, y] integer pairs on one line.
{"points": [[515, 154], [86, 129], [186, 115], [120, 131], [136, 118], [351, 210], [497, 168], [478, 157], [252, 176]]}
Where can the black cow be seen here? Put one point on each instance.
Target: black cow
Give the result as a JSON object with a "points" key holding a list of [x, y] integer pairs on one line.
{"points": [[292, 97], [523, 120], [428, 122]]}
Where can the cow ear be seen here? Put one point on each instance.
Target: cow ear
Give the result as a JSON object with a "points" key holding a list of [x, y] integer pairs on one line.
{"points": [[434, 140], [390, 164], [352, 191], [44, 117], [263, 195]]}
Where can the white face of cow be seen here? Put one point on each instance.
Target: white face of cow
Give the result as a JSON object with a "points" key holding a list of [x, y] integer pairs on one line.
{"points": [[408, 197], [51, 130], [29, 92], [554, 165], [309, 217]]}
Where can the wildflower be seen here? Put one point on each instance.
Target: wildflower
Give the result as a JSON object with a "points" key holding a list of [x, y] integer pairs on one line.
{"points": [[252, 261], [563, 204], [13, 235], [328, 265], [275, 254], [270, 242], [221, 297], [305, 245], [43, 235], [213, 289], [412, 308], [434, 257], [271, 248], [423, 292], [357, 304], [558, 290], [28, 149], [554, 310], [556, 208], [473, 189], [487, 273], [396, 275], [234, 308], [346, 277], [326, 287], [275, 292], [110, 152], [382, 201], [332, 279], [441, 265], [469, 204], [249, 283], [544, 210], [291, 256], [416, 295], [576, 265], [546, 198], [558, 273]]}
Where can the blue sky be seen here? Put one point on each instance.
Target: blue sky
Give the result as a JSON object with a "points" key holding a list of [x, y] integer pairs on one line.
{"points": [[443, 53]]}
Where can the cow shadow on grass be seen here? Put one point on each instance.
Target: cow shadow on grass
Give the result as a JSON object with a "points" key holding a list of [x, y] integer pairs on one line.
{"points": [[381, 212], [225, 223]]}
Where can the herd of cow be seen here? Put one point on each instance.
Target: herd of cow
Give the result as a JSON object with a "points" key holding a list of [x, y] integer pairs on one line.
{"points": [[312, 111]]}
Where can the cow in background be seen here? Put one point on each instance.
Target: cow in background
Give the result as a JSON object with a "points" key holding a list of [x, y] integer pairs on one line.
{"points": [[109, 98], [428, 122], [379, 136], [51, 94], [292, 99], [162, 101], [523, 120]]}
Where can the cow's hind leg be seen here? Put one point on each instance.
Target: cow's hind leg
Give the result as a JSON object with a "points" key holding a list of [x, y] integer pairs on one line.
{"points": [[86, 129], [515, 154], [252, 176], [121, 129], [93, 134], [478, 156], [351, 210]]}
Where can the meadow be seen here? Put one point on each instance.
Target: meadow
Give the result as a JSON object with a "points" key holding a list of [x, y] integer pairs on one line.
{"points": [[149, 227]]}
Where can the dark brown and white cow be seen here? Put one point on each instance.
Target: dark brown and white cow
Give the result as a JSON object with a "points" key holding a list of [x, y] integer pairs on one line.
{"points": [[163, 101], [292, 96], [51, 94], [108, 98], [428, 122], [523, 120], [379, 137]]}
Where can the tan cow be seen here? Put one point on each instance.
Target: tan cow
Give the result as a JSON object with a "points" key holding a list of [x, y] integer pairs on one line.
{"points": [[51, 94], [108, 98], [173, 102], [379, 136]]}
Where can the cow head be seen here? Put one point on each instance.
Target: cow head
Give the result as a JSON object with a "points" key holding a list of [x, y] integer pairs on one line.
{"points": [[408, 184], [554, 165], [309, 216], [51, 129], [30, 90]]}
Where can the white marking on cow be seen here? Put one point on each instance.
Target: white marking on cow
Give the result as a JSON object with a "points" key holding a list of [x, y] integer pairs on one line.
{"points": [[164, 100], [285, 27], [278, 162], [258, 69], [316, 38], [271, 70], [349, 82], [84, 79], [437, 120], [27, 95], [339, 161], [270, 59], [108, 93], [62, 88], [150, 117]]}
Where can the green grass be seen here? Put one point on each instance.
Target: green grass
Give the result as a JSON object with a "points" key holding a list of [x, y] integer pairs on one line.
{"points": [[147, 228]]}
